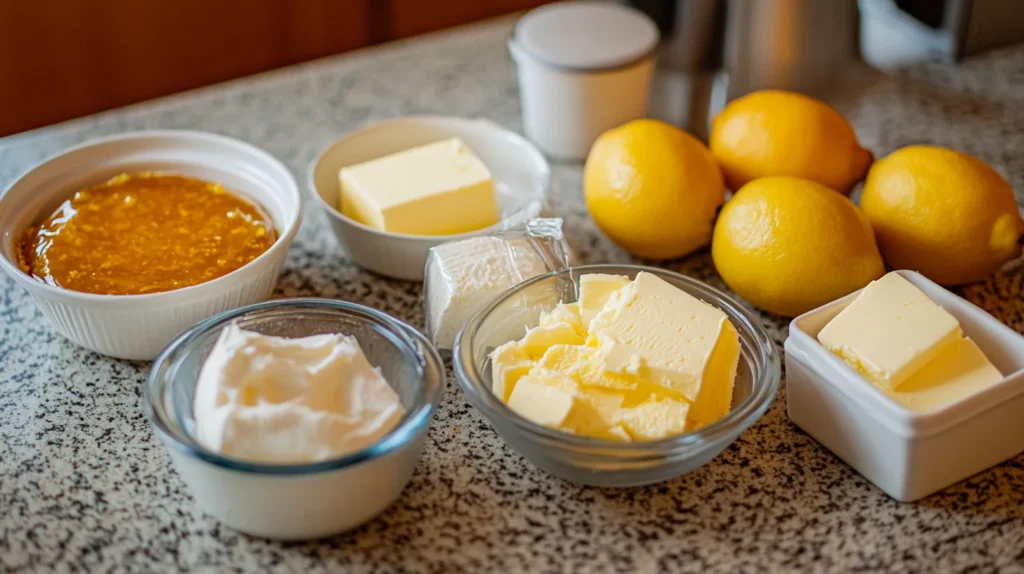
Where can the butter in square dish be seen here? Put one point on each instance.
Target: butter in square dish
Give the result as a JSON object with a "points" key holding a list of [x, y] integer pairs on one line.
{"points": [[436, 189], [891, 330], [908, 346]]}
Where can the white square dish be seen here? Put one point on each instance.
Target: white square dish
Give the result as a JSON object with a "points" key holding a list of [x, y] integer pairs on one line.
{"points": [[907, 454]]}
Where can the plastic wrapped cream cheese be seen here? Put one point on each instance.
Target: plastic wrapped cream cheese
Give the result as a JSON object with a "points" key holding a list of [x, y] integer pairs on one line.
{"points": [[908, 346], [631, 360], [277, 400], [463, 276]]}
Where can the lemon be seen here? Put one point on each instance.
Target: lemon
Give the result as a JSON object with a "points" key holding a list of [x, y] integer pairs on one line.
{"points": [[782, 133], [789, 245], [653, 189], [943, 213]]}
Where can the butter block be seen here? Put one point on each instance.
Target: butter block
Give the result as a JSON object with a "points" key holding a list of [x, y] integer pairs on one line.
{"points": [[539, 339], [437, 189], [585, 365], [890, 331], [715, 400], [655, 419], [554, 400], [509, 363], [568, 313], [596, 414], [654, 362], [959, 371], [545, 404], [676, 338], [595, 290]]}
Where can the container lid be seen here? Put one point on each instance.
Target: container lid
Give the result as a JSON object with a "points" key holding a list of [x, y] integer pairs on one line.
{"points": [[586, 35]]}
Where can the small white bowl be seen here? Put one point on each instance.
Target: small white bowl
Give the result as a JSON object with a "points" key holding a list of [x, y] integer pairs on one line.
{"points": [[907, 454], [308, 500], [138, 326], [520, 174]]}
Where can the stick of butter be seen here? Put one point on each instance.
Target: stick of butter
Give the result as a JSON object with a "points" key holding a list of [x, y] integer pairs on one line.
{"points": [[437, 189], [890, 331]]}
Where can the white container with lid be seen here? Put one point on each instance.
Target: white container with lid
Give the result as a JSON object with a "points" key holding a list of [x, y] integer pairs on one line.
{"points": [[907, 454], [584, 67]]}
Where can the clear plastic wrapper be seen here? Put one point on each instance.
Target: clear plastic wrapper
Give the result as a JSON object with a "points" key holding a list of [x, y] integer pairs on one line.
{"points": [[461, 277]]}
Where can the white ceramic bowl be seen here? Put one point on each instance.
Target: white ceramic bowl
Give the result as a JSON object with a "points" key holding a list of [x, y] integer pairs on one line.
{"points": [[520, 174], [138, 326], [310, 500], [907, 454]]}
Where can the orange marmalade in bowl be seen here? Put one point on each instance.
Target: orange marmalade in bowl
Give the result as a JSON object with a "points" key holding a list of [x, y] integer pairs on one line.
{"points": [[145, 233]]}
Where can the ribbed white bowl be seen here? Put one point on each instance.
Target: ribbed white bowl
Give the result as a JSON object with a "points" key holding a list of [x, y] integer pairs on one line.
{"points": [[138, 326]]}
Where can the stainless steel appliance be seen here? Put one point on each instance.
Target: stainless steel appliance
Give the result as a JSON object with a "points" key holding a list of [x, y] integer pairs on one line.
{"points": [[717, 50]]}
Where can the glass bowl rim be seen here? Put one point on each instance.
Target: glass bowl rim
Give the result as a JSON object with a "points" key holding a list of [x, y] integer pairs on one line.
{"points": [[763, 388], [429, 365]]}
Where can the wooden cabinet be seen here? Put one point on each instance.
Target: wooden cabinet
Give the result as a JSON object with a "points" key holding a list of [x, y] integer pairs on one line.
{"points": [[61, 59], [411, 17]]}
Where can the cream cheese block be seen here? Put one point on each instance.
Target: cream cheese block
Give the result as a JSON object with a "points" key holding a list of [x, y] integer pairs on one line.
{"points": [[462, 276], [279, 400], [891, 330], [653, 362], [437, 189]]}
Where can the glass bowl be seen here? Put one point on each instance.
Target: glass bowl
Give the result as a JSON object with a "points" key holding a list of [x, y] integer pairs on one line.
{"points": [[298, 501], [600, 462]]}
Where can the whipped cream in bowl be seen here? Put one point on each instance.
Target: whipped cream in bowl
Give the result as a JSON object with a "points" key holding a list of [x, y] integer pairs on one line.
{"points": [[297, 418]]}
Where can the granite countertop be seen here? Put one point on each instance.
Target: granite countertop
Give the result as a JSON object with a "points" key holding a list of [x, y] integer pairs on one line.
{"points": [[85, 486]]}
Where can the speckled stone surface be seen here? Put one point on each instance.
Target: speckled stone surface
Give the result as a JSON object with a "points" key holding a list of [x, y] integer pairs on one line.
{"points": [[85, 486]]}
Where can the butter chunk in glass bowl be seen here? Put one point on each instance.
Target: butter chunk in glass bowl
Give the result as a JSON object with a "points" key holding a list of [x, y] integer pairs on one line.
{"points": [[613, 401]]}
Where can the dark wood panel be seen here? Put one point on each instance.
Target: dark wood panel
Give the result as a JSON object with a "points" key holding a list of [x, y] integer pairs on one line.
{"points": [[64, 58], [411, 17], [61, 59]]}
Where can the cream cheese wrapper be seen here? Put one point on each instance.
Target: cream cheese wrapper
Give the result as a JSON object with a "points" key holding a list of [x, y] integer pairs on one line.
{"points": [[463, 276]]}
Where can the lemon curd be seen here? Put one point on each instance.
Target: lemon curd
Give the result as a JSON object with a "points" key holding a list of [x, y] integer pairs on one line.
{"points": [[145, 233]]}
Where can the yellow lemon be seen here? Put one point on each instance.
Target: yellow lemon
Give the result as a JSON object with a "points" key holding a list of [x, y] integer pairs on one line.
{"points": [[653, 189], [789, 245], [943, 213], [781, 133]]}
